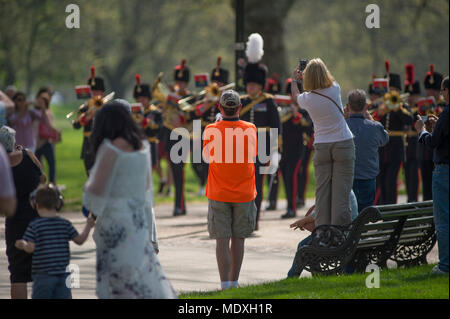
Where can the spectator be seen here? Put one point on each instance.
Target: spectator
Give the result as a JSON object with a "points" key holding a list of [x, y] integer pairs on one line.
{"points": [[119, 193], [47, 135], [47, 238], [369, 136], [334, 149], [24, 120], [6, 107], [230, 189], [439, 140], [7, 191], [10, 91], [27, 174], [308, 223]]}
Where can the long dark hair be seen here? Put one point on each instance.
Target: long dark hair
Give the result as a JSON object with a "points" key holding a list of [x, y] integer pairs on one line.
{"points": [[113, 120]]}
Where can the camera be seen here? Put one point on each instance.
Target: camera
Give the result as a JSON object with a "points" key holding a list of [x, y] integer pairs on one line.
{"points": [[303, 64]]}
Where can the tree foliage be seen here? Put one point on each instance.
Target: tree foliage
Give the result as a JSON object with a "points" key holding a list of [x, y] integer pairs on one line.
{"points": [[122, 38]]}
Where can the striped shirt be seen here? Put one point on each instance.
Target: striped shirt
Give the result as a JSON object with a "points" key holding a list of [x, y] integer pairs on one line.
{"points": [[51, 237]]}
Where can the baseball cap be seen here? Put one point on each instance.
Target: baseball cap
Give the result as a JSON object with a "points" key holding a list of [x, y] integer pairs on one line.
{"points": [[230, 99]]}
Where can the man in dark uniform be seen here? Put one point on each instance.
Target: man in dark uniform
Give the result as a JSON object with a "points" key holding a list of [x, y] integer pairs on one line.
{"points": [[85, 118], [207, 111], [411, 167], [260, 109], [152, 117], [177, 119], [432, 84], [294, 125], [303, 173], [273, 86], [395, 119]]}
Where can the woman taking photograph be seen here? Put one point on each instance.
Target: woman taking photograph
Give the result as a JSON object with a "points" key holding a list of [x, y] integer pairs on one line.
{"points": [[119, 193], [27, 174], [334, 150]]}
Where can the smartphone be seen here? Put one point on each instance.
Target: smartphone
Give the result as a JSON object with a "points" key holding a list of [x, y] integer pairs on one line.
{"points": [[424, 118], [303, 64]]}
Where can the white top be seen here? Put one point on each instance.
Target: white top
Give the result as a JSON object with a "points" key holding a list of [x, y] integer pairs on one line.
{"points": [[329, 123]]}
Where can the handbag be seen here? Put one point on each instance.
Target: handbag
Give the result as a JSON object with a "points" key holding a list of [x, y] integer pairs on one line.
{"points": [[340, 110], [48, 133]]}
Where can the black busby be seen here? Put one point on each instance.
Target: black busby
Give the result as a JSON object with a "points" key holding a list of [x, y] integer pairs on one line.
{"points": [[141, 89], [288, 86], [411, 85], [181, 72], [96, 83], [433, 79], [219, 74], [394, 78], [255, 72], [273, 85]]}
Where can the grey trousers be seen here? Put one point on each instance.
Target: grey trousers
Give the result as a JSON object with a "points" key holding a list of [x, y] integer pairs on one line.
{"points": [[334, 169]]}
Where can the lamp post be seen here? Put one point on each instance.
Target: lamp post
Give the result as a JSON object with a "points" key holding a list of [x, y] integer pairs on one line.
{"points": [[239, 46]]}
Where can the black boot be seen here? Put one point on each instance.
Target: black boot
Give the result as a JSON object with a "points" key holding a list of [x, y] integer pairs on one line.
{"points": [[290, 214], [272, 206], [178, 212]]}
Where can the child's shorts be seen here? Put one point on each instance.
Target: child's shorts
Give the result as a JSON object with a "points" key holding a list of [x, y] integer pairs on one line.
{"points": [[51, 286], [226, 220]]}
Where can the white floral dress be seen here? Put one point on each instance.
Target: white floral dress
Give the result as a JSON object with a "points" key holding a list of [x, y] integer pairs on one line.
{"points": [[120, 193]]}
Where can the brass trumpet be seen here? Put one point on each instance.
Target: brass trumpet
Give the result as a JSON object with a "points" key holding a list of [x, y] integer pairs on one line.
{"points": [[96, 102], [160, 91]]}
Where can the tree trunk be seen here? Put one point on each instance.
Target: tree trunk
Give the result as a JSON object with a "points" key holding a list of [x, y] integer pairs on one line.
{"points": [[267, 18]]}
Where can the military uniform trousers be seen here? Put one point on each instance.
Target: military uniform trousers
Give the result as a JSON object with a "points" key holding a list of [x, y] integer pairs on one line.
{"points": [[290, 166], [177, 172], [411, 169]]}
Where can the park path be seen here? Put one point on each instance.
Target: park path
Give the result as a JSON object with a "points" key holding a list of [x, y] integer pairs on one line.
{"points": [[187, 255]]}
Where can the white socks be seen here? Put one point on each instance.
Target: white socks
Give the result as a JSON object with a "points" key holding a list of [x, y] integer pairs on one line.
{"points": [[229, 284]]}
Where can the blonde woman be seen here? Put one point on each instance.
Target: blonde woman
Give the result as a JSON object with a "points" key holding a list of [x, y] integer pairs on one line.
{"points": [[334, 149]]}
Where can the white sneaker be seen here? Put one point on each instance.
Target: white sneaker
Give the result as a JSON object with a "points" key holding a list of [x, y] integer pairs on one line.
{"points": [[437, 271]]}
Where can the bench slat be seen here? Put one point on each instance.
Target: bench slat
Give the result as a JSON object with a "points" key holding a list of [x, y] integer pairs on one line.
{"points": [[392, 224], [406, 230], [407, 212]]}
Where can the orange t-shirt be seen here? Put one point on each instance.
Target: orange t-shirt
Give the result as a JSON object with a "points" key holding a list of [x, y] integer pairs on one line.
{"points": [[230, 148]]}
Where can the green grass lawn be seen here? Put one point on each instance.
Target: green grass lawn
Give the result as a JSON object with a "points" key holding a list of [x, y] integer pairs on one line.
{"points": [[410, 283], [70, 168]]}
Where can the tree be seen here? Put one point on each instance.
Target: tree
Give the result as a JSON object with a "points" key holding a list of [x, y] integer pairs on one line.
{"points": [[268, 19]]}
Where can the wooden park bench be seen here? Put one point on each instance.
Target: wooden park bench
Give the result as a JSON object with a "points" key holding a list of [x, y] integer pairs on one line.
{"points": [[403, 233]]}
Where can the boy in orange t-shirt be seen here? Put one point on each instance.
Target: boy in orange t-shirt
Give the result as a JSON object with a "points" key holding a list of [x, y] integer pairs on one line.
{"points": [[230, 149]]}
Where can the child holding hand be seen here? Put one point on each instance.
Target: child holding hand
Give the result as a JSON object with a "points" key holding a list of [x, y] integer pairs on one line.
{"points": [[47, 238]]}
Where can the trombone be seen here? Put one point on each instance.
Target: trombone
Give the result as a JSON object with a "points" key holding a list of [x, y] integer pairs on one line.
{"points": [[212, 93]]}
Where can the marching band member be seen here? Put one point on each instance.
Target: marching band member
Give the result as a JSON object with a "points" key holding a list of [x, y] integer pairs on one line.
{"points": [[395, 118], [411, 167], [207, 111], [181, 77], [273, 86], [85, 119], [151, 118], [259, 108], [295, 123]]}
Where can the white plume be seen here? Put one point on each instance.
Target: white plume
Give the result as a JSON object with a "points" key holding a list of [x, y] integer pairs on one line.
{"points": [[254, 50]]}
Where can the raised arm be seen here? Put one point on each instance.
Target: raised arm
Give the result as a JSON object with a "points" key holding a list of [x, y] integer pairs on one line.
{"points": [[297, 75]]}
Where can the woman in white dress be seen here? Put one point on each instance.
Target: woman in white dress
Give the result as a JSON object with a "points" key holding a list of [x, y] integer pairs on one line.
{"points": [[119, 193]]}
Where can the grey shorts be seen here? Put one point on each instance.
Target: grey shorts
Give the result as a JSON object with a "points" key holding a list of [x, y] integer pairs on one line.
{"points": [[226, 220]]}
